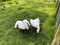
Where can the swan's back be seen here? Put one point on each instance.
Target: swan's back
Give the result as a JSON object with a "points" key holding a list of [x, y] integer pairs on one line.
{"points": [[20, 24], [35, 22]]}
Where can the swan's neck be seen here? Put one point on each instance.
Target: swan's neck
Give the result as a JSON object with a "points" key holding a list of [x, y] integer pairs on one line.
{"points": [[38, 29]]}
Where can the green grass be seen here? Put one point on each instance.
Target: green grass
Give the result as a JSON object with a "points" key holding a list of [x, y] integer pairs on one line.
{"points": [[44, 10]]}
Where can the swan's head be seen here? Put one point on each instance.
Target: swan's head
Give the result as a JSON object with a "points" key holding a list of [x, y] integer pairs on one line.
{"points": [[26, 21]]}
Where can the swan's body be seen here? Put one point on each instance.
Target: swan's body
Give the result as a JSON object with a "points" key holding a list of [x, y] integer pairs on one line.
{"points": [[26, 24], [35, 23], [22, 24]]}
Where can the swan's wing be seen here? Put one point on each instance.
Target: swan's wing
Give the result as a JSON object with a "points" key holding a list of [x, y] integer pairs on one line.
{"points": [[33, 23], [20, 25], [26, 23], [37, 21]]}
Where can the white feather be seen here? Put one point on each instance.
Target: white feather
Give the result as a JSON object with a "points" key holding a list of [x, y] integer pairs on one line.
{"points": [[19, 24], [26, 24], [22, 24]]}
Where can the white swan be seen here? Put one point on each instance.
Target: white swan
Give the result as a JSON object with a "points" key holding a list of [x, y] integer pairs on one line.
{"points": [[22, 24], [35, 23]]}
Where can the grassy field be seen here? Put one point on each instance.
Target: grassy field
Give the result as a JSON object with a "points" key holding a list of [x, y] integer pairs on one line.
{"points": [[27, 9]]}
